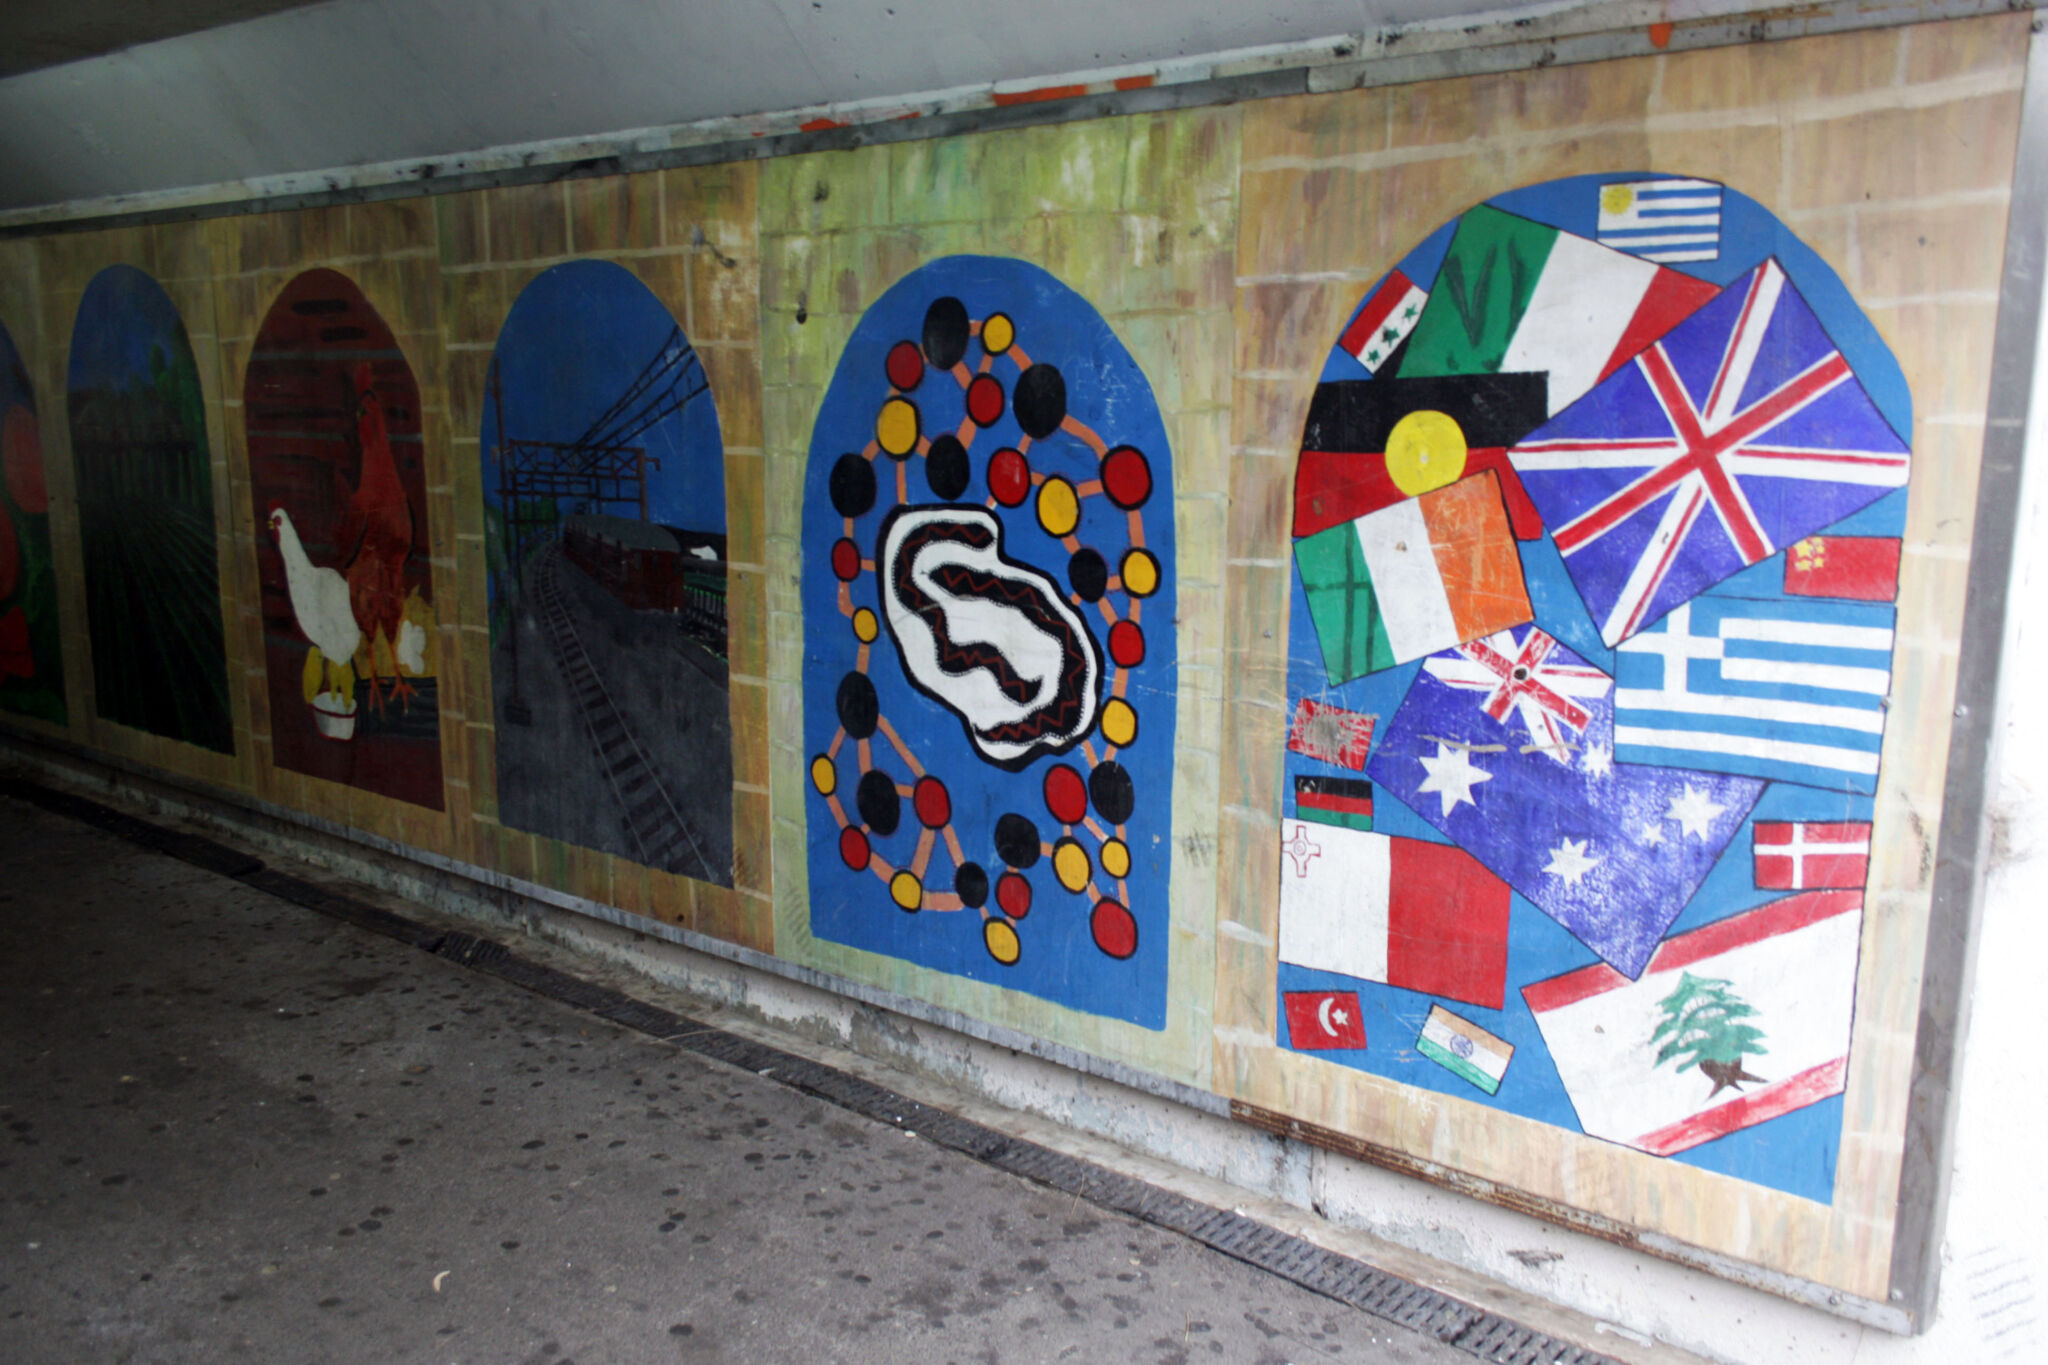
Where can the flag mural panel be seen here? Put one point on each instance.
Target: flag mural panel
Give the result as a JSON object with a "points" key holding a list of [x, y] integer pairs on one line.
{"points": [[1647, 793]]}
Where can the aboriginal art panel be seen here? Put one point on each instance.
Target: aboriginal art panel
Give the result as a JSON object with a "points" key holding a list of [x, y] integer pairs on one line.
{"points": [[1595, 543], [989, 679], [145, 514], [338, 472], [31, 661], [604, 508]]}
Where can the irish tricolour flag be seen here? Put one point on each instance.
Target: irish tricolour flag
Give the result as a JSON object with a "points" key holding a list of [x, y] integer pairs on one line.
{"points": [[1731, 1024], [1514, 295], [1408, 580]]}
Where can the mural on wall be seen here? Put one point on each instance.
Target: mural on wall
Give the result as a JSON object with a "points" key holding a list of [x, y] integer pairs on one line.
{"points": [[31, 662], [989, 680], [338, 471], [1596, 538], [145, 514], [604, 494]]}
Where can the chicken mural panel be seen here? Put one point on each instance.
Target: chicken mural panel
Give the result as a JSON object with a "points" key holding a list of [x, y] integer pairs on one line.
{"points": [[31, 663], [145, 514], [604, 499], [338, 468]]}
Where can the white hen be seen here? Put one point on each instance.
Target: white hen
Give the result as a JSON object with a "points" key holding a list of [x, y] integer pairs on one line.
{"points": [[319, 596]]}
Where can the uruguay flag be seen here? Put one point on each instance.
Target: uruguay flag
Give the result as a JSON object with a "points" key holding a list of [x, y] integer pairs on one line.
{"points": [[1791, 689]]}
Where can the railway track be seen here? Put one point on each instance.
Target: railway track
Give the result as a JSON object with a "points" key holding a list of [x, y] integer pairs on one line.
{"points": [[658, 828]]}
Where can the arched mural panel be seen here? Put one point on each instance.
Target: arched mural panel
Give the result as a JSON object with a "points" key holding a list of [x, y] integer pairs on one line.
{"points": [[145, 514], [338, 470], [604, 495], [1596, 540], [31, 659], [989, 682]]}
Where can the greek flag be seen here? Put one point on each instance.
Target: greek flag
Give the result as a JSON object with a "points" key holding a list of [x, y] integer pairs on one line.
{"points": [[1793, 691], [1662, 220]]}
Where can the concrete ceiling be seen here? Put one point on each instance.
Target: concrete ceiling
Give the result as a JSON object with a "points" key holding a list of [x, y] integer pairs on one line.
{"points": [[38, 33]]}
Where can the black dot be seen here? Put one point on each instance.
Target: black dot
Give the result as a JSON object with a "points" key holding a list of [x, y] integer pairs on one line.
{"points": [[1109, 787], [945, 332], [1089, 573], [971, 884], [1017, 840], [859, 707], [1040, 401], [853, 486], [945, 467], [881, 809]]}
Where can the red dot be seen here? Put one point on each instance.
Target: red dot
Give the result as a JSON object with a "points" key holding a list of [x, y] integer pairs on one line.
{"points": [[1066, 795], [1126, 477], [853, 848], [1013, 895], [933, 806], [1116, 933], [985, 400], [846, 559], [1126, 644], [1009, 477], [906, 365]]}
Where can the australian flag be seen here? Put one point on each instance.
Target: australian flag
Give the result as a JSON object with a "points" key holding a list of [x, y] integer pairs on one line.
{"points": [[1610, 851], [1738, 433]]}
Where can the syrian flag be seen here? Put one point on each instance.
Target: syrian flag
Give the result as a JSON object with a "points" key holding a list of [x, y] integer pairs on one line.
{"points": [[1383, 321], [1414, 578], [1406, 912], [1731, 1024], [1807, 856], [1515, 295], [1319, 1020], [1465, 1049]]}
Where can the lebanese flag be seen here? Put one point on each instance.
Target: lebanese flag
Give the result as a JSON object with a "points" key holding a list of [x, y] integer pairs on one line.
{"points": [[1865, 568], [1791, 962], [1808, 856], [1425, 917], [1383, 322], [1324, 1019]]}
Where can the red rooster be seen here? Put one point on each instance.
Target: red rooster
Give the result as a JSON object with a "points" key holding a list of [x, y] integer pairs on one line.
{"points": [[376, 538]]}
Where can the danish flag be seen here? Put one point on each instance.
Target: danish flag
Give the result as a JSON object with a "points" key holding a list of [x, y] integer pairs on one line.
{"points": [[1742, 430], [1519, 677]]}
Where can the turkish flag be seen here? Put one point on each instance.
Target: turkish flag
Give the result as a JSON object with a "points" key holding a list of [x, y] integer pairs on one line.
{"points": [[1324, 1019]]}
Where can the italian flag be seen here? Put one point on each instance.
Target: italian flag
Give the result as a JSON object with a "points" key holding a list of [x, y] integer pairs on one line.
{"points": [[1465, 1049], [1408, 580], [1515, 295]]}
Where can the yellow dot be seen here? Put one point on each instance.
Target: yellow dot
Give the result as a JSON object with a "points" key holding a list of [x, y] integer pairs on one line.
{"points": [[1616, 198], [1116, 858], [1070, 865], [907, 890], [824, 775], [896, 427], [1425, 450], [1059, 507], [997, 333], [865, 627], [1001, 937], [1119, 722], [1140, 572]]}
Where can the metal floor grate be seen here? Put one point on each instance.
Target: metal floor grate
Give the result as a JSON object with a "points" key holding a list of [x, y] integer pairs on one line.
{"points": [[1484, 1335]]}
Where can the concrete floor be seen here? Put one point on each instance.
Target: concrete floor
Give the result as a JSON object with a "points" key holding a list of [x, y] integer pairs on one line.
{"points": [[234, 1129]]}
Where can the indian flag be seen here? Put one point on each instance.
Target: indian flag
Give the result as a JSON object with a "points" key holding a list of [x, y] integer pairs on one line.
{"points": [[1514, 295], [1465, 1049], [1408, 580]]}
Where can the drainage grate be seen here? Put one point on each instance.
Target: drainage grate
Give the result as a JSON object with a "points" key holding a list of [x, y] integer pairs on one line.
{"points": [[1342, 1278]]}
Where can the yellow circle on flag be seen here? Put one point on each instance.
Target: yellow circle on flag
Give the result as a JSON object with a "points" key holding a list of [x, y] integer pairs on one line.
{"points": [[824, 775], [1059, 508], [1140, 573], [1001, 937], [1070, 865], [896, 426], [907, 890], [997, 333], [1617, 198], [865, 627], [1119, 722], [1116, 858], [1425, 450]]}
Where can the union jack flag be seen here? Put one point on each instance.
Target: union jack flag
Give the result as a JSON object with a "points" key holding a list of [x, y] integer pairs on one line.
{"points": [[1520, 677], [1741, 431]]}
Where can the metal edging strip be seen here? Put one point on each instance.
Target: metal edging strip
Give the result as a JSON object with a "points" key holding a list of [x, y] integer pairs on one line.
{"points": [[1949, 962]]}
